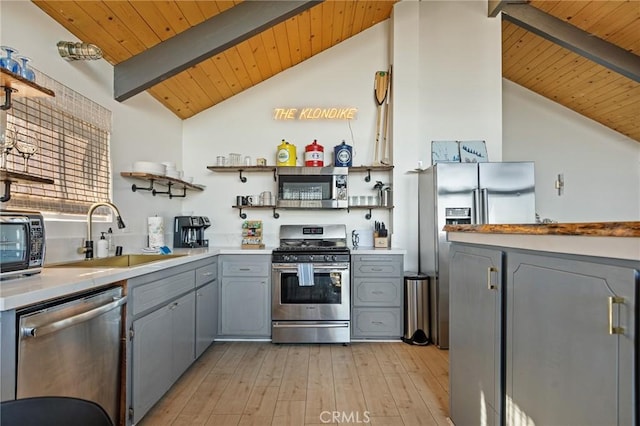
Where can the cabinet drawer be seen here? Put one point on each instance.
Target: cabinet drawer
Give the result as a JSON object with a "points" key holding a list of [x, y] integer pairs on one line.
{"points": [[206, 274], [377, 292], [377, 322], [246, 268], [155, 293], [378, 268]]}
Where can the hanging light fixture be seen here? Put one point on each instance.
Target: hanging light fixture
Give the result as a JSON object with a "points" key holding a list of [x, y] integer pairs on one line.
{"points": [[74, 51]]}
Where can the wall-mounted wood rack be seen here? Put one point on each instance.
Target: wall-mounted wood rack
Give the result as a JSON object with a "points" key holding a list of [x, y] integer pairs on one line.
{"points": [[9, 177], [245, 169], [243, 215], [369, 169], [170, 183], [15, 85]]}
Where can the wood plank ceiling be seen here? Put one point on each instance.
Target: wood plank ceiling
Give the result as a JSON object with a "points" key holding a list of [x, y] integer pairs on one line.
{"points": [[123, 29]]}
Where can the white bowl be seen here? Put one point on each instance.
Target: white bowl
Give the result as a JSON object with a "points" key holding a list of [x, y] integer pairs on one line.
{"points": [[173, 174], [149, 167]]}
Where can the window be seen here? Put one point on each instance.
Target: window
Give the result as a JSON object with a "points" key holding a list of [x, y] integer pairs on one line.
{"points": [[70, 136]]}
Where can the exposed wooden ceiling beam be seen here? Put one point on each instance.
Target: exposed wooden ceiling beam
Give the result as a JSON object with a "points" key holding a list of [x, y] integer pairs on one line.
{"points": [[201, 42], [573, 38]]}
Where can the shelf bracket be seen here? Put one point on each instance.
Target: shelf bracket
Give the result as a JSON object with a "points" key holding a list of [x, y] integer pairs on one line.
{"points": [[275, 214], [7, 98], [169, 193], [275, 175], [368, 215], [243, 179], [135, 187], [7, 192], [367, 178], [242, 215]]}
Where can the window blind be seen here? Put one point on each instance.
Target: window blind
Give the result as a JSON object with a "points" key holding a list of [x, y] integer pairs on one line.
{"points": [[70, 135]]}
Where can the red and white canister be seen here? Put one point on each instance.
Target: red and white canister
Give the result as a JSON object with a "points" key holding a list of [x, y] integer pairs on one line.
{"points": [[314, 155]]}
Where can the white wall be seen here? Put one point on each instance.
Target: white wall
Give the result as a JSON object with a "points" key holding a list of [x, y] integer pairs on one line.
{"points": [[447, 76], [341, 76], [601, 167], [142, 128]]}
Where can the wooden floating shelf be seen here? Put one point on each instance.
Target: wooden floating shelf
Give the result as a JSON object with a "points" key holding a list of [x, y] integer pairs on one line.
{"points": [[236, 169], [23, 178], [162, 180], [22, 86]]}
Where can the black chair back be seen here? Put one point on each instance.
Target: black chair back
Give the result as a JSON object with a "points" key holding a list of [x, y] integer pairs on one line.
{"points": [[52, 411]]}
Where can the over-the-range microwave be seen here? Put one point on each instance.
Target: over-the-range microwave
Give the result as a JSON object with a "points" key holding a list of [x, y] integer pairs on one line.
{"points": [[22, 243], [312, 187]]}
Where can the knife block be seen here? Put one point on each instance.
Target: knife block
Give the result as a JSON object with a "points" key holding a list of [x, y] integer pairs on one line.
{"points": [[381, 242]]}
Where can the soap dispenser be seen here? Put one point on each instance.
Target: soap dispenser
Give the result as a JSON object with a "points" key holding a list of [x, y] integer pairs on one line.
{"points": [[103, 247]]}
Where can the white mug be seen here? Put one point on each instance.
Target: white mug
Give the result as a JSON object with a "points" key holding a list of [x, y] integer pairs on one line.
{"points": [[265, 198]]}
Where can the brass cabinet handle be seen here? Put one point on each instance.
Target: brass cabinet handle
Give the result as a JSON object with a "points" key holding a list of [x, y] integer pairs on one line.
{"points": [[612, 328], [490, 286]]}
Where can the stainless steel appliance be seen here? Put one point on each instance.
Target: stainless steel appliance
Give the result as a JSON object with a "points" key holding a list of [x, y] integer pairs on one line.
{"points": [[22, 243], [73, 347], [312, 187], [188, 231], [465, 193], [311, 285]]}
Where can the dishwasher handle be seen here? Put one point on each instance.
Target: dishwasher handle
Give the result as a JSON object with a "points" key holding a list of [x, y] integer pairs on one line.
{"points": [[76, 319]]}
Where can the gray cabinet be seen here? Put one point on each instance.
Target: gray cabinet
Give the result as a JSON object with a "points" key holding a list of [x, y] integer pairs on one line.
{"points": [[166, 310], [162, 350], [563, 365], [475, 326], [567, 349], [206, 306], [245, 296], [377, 296]]}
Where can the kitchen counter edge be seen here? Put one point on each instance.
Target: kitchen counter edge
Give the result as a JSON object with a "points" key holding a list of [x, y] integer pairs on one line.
{"points": [[53, 283], [615, 240]]}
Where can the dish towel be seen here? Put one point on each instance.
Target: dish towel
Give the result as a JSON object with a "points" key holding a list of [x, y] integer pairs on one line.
{"points": [[305, 274]]}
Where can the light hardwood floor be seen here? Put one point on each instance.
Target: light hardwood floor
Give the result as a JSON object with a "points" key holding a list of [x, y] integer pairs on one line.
{"points": [[259, 383]]}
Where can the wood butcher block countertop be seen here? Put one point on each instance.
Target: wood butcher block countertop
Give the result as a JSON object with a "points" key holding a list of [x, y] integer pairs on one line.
{"points": [[618, 240], [596, 229]]}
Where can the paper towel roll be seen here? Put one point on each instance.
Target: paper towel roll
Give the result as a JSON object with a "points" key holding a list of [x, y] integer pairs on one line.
{"points": [[156, 231]]}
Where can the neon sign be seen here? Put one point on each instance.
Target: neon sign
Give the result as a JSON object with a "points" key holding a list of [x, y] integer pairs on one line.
{"points": [[315, 113]]}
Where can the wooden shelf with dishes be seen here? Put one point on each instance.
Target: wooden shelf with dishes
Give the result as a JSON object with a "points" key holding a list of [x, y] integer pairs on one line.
{"points": [[169, 182], [15, 85], [244, 169]]}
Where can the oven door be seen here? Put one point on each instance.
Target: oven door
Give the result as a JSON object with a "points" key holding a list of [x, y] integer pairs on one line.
{"points": [[326, 298]]}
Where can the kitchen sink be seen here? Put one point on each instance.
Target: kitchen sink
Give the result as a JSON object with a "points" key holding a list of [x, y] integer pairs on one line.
{"points": [[124, 261]]}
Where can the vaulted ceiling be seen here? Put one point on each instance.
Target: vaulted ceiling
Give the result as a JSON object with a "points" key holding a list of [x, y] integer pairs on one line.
{"points": [[246, 45]]}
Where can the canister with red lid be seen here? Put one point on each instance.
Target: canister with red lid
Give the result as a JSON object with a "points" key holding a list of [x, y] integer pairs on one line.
{"points": [[314, 155]]}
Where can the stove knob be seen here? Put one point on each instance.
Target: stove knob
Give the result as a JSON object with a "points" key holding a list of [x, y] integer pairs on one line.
{"points": [[310, 258], [327, 258]]}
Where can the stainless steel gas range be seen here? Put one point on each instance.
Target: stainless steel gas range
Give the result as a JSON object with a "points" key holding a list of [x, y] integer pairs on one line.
{"points": [[311, 278]]}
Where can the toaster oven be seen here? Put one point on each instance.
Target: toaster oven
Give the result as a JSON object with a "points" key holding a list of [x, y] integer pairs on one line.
{"points": [[22, 243]]}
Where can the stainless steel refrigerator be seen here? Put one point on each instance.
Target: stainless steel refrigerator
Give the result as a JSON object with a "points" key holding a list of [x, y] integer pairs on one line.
{"points": [[465, 193]]}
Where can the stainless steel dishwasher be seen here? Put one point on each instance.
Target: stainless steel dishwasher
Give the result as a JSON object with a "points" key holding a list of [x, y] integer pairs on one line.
{"points": [[73, 347]]}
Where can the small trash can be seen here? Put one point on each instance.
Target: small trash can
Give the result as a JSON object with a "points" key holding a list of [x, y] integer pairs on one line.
{"points": [[416, 309]]}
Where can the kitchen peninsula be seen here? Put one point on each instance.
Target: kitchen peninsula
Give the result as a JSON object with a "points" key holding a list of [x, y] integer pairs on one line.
{"points": [[544, 323]]}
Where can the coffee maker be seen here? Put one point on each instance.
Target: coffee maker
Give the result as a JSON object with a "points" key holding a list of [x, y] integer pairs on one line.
{"points": [[188, 231]]}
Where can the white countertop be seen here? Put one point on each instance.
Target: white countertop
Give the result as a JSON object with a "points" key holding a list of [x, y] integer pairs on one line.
{"points": [[57, 282]]}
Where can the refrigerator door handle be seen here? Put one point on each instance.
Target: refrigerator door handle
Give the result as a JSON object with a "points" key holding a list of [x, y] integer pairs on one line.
{"points": [[485, 205], [476, 217]]}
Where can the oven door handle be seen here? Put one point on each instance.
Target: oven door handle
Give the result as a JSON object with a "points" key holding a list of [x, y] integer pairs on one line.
{"points": [[68, 322], [313, 325], [289, 268]]}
